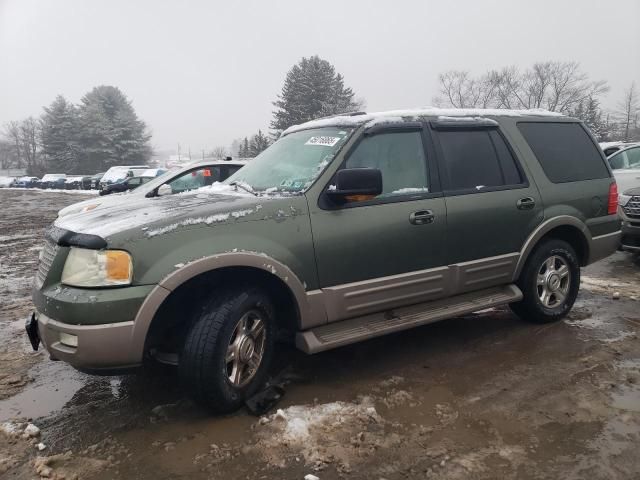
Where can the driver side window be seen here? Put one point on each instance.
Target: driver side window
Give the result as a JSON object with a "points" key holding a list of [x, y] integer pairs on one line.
{"points": [[400, 158]]}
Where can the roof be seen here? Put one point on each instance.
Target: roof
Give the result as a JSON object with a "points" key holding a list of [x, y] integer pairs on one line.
{"points": [[359, 118]]}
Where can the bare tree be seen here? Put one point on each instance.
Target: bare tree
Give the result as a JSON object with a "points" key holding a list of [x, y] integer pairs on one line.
{"points": [[23, 136], [8, 157], [628, 111], [555, 86], [219, 153]]}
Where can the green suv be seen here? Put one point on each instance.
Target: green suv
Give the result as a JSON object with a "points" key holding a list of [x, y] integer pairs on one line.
{"points": [[346, 228]]}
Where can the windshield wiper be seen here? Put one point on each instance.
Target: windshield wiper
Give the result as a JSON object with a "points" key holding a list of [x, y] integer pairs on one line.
{"points": [[243, 186]]}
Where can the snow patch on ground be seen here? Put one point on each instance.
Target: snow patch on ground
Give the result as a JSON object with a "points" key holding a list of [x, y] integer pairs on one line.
{"points": [[321, 434]]}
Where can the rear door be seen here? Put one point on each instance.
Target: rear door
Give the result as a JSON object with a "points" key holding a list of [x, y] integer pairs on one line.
{"points": [[491, 205], [384, 252]]}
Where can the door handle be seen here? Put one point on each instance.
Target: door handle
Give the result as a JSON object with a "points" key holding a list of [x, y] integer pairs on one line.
{"points": [[526, 203], [422, 217]]}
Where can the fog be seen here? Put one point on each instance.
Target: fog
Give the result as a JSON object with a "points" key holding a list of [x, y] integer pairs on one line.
{"points": [[202, 73]]}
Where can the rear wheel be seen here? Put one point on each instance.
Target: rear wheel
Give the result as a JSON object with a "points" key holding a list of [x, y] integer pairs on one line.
{"points": [[227, 352], [549, 281]]}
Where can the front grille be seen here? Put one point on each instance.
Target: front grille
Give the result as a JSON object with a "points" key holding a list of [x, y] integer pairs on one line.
{"points": [[48, 254], [632, 208]]}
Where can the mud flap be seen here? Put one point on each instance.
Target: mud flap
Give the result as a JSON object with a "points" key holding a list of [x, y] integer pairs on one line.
{"points": [[32, 331]]}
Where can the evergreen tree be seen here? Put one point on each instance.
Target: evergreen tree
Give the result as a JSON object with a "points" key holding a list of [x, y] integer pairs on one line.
{"points": [[243, 152], [588, 110], [259, 142], [111, 132], [59, 137], [312, 89]]}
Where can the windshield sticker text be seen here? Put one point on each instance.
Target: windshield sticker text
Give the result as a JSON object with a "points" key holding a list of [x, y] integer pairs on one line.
{"points": [[323, 141]]}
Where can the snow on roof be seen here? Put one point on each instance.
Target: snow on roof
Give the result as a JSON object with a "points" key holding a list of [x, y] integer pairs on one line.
{"points": [[396, 115]]}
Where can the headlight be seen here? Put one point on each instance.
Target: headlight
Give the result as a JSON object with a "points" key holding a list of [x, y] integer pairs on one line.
{"points": [[97, 268], [623, 199]]}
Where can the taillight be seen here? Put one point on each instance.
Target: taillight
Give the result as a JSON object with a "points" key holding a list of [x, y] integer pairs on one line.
{"points": [[613, 199]]}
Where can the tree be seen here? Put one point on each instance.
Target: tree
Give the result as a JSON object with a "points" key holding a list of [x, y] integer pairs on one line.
{"points": [[219, 153], [59, 135], [591, 114], [23, 136], [8, 155], [311, 89], [555, 86], [628, 111], [258, 143], [243, 151], [111, 132]]}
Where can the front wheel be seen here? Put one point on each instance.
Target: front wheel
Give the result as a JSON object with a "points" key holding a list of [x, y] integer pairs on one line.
{"points": [[227, 352], [549, 281]]}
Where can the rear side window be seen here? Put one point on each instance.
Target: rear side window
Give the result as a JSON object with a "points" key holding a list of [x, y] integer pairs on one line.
{"points": [[477, 160], [565, 151]]}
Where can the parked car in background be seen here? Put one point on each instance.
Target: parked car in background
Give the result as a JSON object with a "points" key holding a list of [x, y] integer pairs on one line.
{"points": [[625, 164], [95, 181], [6, 182], [609, 148], [27, 182], [52, 180], [78, 182], [153, 172], [121, 172], [192, 176], [344, 229], [124, 185]]}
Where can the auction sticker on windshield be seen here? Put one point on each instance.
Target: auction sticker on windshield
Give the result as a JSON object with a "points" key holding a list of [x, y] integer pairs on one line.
{"points": [[323, 141]]}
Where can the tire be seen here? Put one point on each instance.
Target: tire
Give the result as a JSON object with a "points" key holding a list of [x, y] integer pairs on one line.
{"points": [[225, 325], [549, 292]]}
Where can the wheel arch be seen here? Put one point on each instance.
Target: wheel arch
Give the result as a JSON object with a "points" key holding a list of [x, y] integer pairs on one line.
{"points": [[290, 298], [564, 227]]}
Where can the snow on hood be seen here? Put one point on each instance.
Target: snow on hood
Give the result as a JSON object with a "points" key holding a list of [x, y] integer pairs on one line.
{"points": [[160, 215]]}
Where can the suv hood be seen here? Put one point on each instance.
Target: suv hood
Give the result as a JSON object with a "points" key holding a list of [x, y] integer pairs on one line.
{"points": [[160, 215], [97, 202]]}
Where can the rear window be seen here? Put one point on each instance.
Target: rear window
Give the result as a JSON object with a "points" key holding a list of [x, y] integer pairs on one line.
{"points": [[565, 151]]}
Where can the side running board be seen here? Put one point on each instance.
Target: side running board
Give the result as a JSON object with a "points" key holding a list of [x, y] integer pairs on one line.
{"points": [[362, 328]]}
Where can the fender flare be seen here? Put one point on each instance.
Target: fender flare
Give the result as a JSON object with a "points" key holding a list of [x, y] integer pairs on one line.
{"points": [[154, 300], [544, 228]]}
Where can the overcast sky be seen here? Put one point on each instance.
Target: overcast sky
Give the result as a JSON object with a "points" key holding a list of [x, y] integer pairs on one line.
{"points": [[205, 72]]}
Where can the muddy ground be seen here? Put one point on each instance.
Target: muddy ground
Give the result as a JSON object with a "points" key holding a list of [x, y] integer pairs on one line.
{"points": [[483, 396]]}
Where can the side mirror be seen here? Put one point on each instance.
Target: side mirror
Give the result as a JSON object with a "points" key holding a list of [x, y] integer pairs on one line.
{"points": [[164, 189], [355, 181]]}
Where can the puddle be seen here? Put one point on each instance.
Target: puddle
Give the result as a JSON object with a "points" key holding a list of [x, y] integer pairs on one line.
{"points": [[627, 398], [55, 385]]}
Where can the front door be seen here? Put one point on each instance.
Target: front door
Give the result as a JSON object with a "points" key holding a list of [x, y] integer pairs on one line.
{"points": [[380, 253]]}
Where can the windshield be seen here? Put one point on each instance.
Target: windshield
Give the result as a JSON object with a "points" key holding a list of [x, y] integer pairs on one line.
{"points": [[293, 162]]}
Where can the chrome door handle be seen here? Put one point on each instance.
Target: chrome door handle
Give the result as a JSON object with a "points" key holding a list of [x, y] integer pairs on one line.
{"points": [[526, 203], [422, 217]]}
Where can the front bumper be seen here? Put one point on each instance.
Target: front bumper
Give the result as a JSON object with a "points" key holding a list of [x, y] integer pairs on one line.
{"points": [[99, 347], [101, 320]]}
